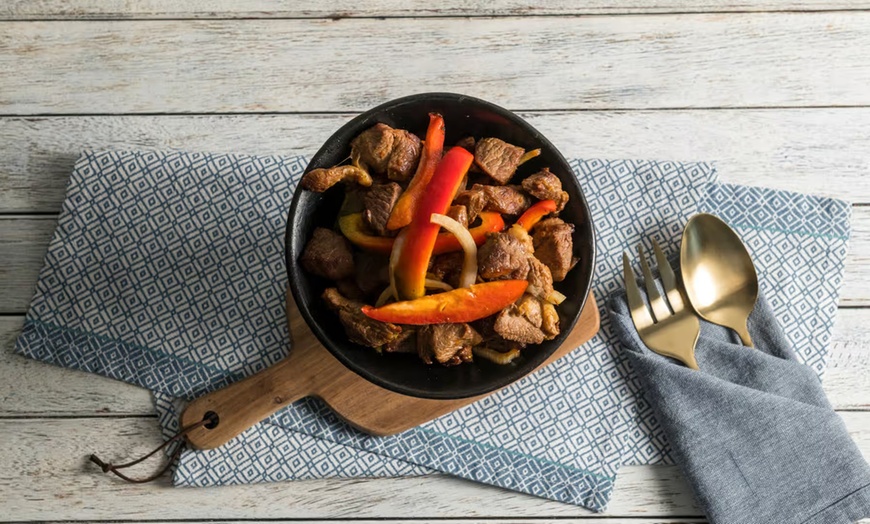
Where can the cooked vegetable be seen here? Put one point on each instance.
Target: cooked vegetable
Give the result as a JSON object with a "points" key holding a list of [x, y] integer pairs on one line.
{"points": [[460, 305], [496, 356], [556, 298], [529, 155], [469, 263], [414, 255], [354, 229], [406, 207], [431, 283], [534, 214], [394, 261]]}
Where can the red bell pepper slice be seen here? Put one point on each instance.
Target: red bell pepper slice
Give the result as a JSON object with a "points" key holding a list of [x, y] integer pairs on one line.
{"points": [[460, 305], [413, 259], [406, 206], [534, 214], [353, 228]]}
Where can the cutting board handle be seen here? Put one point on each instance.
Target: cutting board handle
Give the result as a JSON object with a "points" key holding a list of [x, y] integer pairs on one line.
{"points": [[245, 403]]}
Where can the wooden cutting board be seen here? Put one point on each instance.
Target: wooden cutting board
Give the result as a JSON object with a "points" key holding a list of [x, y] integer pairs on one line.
{"points": [[311, 370]]}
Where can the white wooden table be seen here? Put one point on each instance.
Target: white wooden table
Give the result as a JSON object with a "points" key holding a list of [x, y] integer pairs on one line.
{"points": [[778, 92]]}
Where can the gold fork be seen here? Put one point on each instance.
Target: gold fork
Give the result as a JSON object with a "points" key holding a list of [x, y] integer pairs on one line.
{"points": [[672, 332]]}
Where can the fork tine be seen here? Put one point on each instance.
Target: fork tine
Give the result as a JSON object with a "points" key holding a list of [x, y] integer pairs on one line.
{"points": [[660, 309], [639, 312], [669, 280]]}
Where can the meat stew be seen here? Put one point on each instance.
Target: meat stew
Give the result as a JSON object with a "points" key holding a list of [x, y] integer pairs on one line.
{"points": [[496, 229]]}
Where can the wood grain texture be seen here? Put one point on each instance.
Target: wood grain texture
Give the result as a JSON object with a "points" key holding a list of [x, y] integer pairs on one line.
{"points": [[661, 61], [531, 520], [34, 389], [22, 249], [89, 9], [24, 240], [47, 476], [818, 151]]}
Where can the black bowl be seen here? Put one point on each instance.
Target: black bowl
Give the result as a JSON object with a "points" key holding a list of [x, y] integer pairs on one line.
{"points": [[407, 374]]}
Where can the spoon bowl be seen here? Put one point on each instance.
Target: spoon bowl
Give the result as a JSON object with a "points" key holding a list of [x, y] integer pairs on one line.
{"points": [[718, 274]]}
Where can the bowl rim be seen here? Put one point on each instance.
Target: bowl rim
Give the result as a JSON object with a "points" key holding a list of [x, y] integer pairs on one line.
{"points": [[315, 326]]}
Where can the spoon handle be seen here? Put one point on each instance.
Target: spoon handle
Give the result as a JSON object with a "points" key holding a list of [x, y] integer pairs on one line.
{"points": [[743, 333]]}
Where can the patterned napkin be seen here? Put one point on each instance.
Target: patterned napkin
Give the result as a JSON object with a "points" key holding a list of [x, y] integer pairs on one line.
{"points": [[166, 270]]}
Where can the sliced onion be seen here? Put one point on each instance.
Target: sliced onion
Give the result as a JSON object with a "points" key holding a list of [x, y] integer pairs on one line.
{"points": [[496, 356], [398, 244], [431, 283], [556, 298], [385, 296], [469, 262]]}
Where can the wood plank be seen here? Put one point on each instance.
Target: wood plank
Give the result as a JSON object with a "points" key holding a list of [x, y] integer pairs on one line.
{"points": [[532, 520], [35, 389], [847, 378], [48, 477], [32, 388], [24, 240], [23, 244], [817, 151], [660, 61], [88, 9]]}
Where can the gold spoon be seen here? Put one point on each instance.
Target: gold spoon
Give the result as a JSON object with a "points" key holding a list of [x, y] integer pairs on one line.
{"points": [[719, 277]]}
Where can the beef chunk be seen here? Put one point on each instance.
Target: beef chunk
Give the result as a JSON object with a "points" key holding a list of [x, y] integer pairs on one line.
{"points": [[502, 256], [360, 329], [474, 202], [507, 200], [538, 313], [379, 201], [554, 246], [540, 279], [386, 150], [349, 288], [448, 267], [405, 343], [372, 274], [497, 158], [447, 344], [467, 143], [544, 185], [459, 214], [328, 255], [491, 339], [319, 180], [549, 320], [511, 324]]}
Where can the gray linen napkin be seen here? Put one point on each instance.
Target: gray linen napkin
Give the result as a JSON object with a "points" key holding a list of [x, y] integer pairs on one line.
{"points": [[752, 430]]}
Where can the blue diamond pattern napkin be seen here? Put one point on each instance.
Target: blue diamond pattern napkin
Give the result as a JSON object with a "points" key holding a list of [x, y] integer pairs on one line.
{"points": [[166, 271]]}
